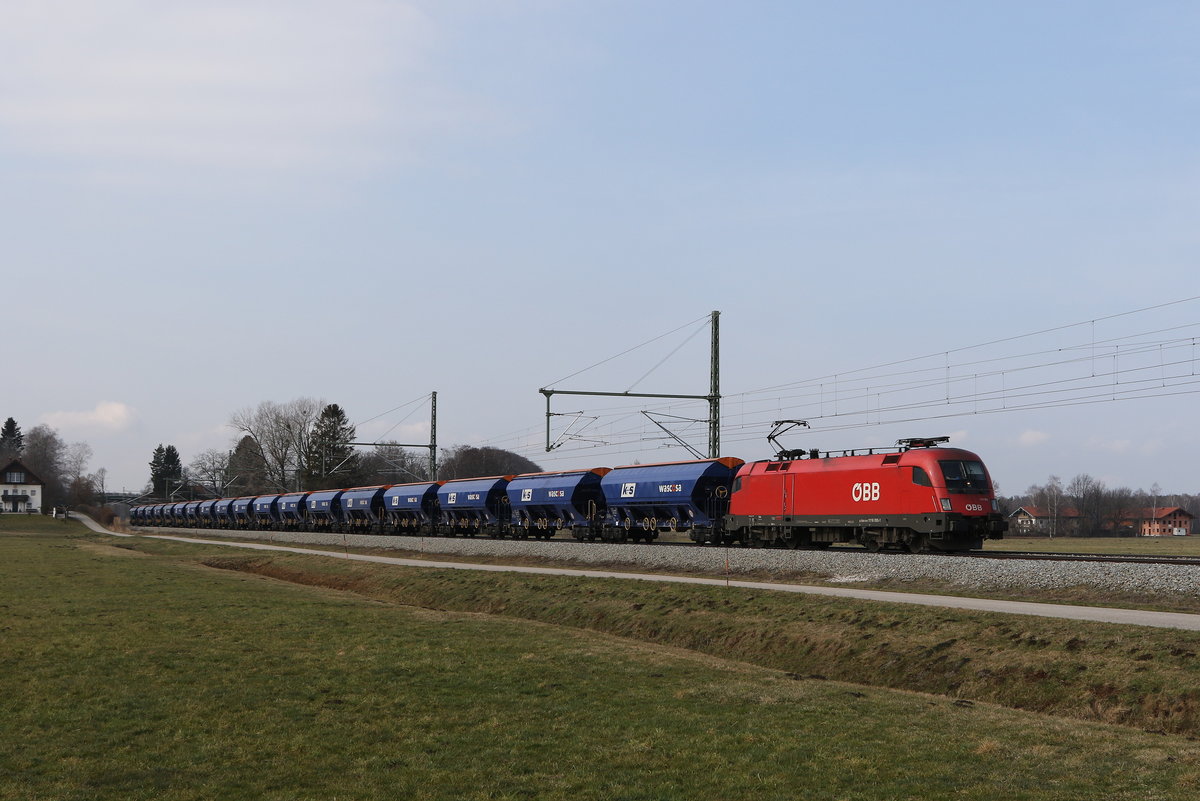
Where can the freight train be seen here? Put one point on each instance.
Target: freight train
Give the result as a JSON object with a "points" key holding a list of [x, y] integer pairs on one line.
{"points": [[917, 497]]}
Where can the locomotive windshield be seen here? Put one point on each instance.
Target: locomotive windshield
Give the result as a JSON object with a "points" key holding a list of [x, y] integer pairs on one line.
{"points": [[962, 476]]}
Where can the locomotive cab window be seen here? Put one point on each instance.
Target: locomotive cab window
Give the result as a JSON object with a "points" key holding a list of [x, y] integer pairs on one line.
{"points": [[921, 478], [964, 476]]}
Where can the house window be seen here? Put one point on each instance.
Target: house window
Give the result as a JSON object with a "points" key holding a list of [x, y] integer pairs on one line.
{"points": [[15, 477]]}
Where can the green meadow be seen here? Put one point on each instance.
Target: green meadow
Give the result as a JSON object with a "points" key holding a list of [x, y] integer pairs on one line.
{"points": [[142, 669]]}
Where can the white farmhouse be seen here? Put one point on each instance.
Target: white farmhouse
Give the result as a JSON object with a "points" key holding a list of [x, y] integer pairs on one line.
{"points": [[20, 489]]}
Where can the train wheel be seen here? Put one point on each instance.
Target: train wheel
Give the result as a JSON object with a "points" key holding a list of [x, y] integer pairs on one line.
{"points": [[917, 544]]}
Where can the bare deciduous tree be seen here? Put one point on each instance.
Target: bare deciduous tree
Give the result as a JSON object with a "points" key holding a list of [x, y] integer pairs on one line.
{"points": [[99, 480], [1087, 493], [391, 464], [75, 461], [281, 431], [210, 468]]}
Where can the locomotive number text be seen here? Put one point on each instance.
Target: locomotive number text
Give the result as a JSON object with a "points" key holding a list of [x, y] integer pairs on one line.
{"points": [[865, 491]]}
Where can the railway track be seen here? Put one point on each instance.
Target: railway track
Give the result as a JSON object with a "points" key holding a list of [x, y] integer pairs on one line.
{"points": [[1029, 556]]}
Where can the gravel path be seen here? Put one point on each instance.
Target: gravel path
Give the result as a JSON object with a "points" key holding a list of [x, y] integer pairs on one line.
{"points": [[836, 567]]}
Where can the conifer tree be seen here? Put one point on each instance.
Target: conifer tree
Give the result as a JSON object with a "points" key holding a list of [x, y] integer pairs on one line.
{"points": [[12, 441], [172, 464], [330, 460], [247, 469], [165, 467]]}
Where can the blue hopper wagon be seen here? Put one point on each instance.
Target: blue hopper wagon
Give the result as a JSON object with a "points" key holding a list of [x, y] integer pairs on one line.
{"points": [[475, 505], [223, 513], [324, 510], [266, 511], [411, 507], [191, 514], [241, 512], [545, 503], [644, 500], [292, 513], [362, 507]]}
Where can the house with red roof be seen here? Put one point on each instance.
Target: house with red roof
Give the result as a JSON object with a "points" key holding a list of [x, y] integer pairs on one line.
{"points": [[1040, 521], [1163, 521]]}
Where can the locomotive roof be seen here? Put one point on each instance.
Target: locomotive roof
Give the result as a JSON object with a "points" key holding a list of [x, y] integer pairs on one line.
{"points": [[863, 453]]}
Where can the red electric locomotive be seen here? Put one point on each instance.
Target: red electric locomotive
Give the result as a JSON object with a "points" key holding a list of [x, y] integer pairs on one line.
{"points": [[916, 497]]}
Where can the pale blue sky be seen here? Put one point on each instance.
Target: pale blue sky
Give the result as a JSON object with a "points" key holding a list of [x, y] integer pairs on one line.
{"points": [[209, 205]]}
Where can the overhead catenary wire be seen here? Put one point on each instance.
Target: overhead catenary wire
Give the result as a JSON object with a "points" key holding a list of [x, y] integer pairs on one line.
{"points": [[424, 397], [626, 352], [1117, 367], [989, 343]]}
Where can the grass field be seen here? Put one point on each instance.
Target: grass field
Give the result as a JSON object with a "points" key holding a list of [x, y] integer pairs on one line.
{"points": [[1143, 546], [146, 673]]}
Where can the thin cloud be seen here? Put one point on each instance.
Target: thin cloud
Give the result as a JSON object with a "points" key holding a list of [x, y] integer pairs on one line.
{"points": [[265, 85], [1031, 437], [108, 416], [1118, 446]]}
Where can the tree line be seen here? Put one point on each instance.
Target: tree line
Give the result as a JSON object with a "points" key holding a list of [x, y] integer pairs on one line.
{"points": [[62, 466], [1093, 508], [307, 444]]}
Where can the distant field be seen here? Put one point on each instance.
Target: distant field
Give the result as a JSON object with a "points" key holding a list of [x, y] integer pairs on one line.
{"points": [[39, 524], [145, 674], [1151, 546]]}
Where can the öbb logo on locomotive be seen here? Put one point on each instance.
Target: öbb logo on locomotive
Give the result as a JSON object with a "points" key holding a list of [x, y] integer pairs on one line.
{"points": [[865, 491], [799, 499]]}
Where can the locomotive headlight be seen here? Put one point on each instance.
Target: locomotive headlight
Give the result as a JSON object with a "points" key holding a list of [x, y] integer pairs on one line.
{"points": [[946, 505]]}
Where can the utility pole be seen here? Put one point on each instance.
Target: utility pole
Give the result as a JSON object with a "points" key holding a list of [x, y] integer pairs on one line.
{"points": [[713, 397], [432, 446], [433, 437], [714, 393]]}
